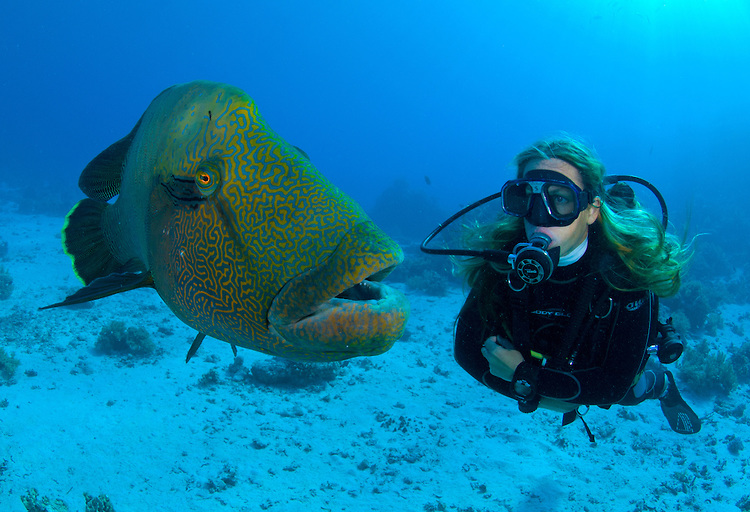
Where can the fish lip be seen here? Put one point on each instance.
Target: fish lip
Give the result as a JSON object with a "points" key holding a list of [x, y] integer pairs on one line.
{"points": [[339, 308], [365, 292], [355, 260], [365, 319]]}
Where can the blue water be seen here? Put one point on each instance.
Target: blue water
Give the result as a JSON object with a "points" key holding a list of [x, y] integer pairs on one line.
{"points": [[375, 91], [433, 96]]}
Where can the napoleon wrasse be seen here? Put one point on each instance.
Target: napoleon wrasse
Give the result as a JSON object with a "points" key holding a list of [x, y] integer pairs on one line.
{"points": [[240, 235]]}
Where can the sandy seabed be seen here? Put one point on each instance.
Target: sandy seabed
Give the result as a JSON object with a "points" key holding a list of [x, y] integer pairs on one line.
{"points": [[407, 430]]}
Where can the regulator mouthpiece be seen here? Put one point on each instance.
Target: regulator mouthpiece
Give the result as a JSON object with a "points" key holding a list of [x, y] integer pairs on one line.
{"points": [[531, 263]]}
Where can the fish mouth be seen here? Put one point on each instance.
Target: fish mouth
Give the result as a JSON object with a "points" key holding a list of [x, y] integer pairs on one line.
{"points": [[340, 308], [366, 290]]}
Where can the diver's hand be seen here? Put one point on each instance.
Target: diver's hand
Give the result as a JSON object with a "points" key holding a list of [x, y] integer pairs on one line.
{"points": [[503, 361]]}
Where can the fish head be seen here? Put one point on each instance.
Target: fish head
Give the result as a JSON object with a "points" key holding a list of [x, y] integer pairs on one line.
{"points": [[249, 243]]}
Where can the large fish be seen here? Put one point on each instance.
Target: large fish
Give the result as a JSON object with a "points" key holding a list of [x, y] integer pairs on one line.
{"points": [[240, 235]]}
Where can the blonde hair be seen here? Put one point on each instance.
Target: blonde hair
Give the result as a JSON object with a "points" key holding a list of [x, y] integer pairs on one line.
{"points": [[654, 259]]}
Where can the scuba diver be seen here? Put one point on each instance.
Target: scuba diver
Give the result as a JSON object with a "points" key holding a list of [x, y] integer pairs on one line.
{"points": [[563, 307]]}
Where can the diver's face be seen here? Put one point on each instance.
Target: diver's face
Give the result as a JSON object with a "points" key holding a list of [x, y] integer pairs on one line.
{"points": [[571, 236]]}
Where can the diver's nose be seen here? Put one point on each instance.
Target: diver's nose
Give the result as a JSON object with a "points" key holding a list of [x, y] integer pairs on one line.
{"points": [[538, 214]]}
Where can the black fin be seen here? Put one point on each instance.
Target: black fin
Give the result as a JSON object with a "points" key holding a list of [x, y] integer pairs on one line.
{"points": [[83, 240], [194, 347], [682, 419], [106, 286], [234, 349], [102, 177]]}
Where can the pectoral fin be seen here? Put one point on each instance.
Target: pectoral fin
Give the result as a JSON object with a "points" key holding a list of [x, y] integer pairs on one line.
{"points": [[197, 343], [106, 286], [195, 346]]}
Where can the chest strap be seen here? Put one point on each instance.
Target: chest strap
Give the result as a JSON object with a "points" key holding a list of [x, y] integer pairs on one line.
{"points": [[571, 336], [521, 327]]}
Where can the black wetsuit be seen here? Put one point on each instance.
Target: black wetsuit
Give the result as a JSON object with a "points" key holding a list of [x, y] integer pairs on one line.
{"points": [[603, 360]]}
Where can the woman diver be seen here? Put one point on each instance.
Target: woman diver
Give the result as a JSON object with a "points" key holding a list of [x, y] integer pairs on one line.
{"points": [[563, 307]]}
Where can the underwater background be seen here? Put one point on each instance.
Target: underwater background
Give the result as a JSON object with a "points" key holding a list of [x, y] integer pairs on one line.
{"points": [[414, 109]]}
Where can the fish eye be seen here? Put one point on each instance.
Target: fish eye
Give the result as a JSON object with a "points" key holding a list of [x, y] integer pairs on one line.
{"points": [[207, 178]]}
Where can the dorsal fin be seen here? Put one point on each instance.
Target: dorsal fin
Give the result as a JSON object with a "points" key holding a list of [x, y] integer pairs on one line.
{"points": [[102, 177]]}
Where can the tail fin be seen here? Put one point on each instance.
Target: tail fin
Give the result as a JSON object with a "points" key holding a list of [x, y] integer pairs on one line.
{"points": [[83, 240]]}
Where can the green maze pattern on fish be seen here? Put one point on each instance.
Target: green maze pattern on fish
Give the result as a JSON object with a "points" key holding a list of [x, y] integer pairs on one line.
{"points": [[236, 230], [271, 203]]}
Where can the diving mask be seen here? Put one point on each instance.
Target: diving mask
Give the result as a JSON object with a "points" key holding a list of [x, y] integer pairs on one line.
{"points": [[545, 198], [533, 261]]}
